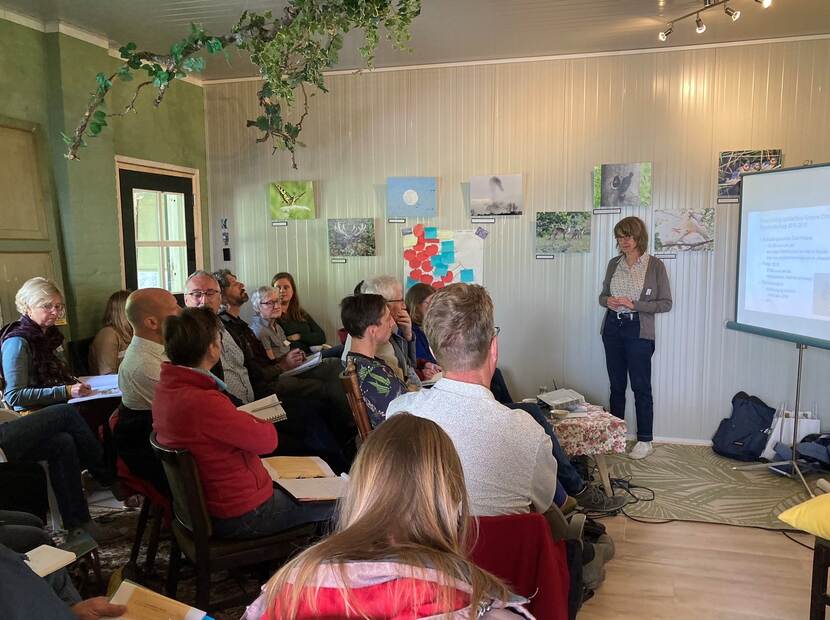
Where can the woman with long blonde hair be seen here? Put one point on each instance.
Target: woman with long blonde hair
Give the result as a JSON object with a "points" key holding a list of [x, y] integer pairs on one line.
{"points": [[401, 542], [111, 342]]}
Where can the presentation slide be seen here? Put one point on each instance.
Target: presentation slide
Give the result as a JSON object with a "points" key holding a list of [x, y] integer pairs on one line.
{"points": [[784, 255]]}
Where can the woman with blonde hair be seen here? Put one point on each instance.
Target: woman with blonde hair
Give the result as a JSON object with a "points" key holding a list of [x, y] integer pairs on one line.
{"points": [[401, 542], [34, 364], [111, 341]]}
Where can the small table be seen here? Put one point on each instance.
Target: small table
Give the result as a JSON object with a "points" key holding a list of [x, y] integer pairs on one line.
{"points": [[596, 434]]}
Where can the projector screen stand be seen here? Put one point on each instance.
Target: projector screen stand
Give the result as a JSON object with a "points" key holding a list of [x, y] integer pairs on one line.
{"points": [[793, 461]]}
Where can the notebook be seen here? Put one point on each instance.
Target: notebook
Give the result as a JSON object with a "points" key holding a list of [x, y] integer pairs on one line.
{"points": [[103, 386], [306, 478], [267, 409], [45, 560], [310, 362], [144, 604]]}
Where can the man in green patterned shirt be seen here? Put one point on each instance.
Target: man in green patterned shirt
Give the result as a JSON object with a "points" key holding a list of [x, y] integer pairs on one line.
{"points": [[369, 322]]}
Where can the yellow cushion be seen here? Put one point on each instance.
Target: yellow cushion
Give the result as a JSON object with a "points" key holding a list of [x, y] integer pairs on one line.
{"points": [[812, 516]]}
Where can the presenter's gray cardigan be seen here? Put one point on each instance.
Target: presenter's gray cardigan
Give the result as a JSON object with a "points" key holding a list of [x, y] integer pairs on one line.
{"points": [[655, 296]]}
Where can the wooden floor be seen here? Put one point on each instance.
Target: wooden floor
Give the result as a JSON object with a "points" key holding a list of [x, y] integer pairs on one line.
{"points": [[699, 571]]}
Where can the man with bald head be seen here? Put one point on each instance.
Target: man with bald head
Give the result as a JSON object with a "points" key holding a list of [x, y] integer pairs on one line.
{"points": [[138, 375]]}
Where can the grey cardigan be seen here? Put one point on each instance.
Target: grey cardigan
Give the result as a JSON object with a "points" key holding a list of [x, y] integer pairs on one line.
{"points": [[655, 296]]}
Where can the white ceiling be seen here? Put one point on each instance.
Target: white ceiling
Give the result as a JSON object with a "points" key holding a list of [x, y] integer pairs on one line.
{"points": [[451, 30]]}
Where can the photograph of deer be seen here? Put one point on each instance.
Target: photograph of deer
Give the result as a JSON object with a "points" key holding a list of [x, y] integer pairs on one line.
{"points": [[622, 185], [291, 200], [352, 237], [563, 231]]}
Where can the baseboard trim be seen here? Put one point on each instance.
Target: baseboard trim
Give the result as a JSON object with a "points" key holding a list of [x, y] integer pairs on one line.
{"points": [[676, 440]]}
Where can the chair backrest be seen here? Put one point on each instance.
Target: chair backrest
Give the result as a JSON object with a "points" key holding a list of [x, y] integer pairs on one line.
{"points": [[348, 379], [189, 505]]}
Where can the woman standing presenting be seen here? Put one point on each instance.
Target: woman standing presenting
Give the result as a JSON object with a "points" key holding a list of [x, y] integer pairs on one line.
{"points": [[636, 286]]}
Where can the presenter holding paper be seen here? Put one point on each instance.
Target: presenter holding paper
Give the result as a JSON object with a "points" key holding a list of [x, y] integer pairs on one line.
{"points": [[636, 286]]}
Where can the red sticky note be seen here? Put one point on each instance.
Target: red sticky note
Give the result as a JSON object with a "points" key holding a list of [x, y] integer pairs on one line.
{"points": [[438, 284], [426, 266], [418, 231], [426, 278]]}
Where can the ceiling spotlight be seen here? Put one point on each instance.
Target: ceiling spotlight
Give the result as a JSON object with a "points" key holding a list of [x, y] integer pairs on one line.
{"points": [[764, 3], [701, 27], [665, 34], [735, 15]]}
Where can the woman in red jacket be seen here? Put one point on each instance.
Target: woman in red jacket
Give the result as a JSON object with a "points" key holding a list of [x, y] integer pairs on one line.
{"points": [[191, 411], [399, 550]]}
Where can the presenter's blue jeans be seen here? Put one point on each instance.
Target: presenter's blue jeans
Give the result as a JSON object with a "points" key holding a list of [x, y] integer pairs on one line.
{"points": [[627, 356]]}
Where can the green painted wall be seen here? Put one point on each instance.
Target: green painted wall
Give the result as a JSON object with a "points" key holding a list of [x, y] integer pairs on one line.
{"points": [[47, 79]]}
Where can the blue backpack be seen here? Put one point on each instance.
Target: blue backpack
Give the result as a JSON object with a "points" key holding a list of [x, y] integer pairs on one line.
{"points": [[743, 435]]}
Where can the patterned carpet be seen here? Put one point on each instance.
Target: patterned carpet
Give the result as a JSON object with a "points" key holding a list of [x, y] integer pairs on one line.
{"points": [[692, 483]]}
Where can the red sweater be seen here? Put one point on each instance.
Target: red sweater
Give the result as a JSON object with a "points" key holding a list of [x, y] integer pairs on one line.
{"points": [[190, 412]]}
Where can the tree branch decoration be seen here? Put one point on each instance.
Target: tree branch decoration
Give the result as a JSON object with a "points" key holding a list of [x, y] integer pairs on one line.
{"points": [[291, 51]]}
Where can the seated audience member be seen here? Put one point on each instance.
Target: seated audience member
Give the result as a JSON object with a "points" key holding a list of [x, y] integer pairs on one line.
{"points": [[369, 322], [244, 381], [417, 302], [507, 457], [138, 375], [34, 368], [418, 298], [22, 531], [400, 549], [399, 352], [469, 310], [111, 341], [267, 307], [24, 595], [59, 436], [191, 412], [301, 330]]}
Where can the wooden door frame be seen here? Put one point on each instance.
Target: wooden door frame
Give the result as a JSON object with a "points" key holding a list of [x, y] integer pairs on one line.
{"points": [[154, 167]]}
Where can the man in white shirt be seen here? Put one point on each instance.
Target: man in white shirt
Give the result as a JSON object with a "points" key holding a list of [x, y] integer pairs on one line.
{"points": [[138, 376], [508, 464]]}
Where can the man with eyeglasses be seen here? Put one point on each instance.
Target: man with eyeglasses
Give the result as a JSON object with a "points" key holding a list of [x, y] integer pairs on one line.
{"points": [[399, 352]]}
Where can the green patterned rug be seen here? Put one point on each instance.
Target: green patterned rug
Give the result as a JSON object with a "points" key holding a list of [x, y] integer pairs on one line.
{"points": [[692, 483]]}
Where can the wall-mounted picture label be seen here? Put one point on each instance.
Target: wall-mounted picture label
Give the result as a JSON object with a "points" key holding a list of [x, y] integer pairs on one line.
{"points": [[499, 194], [351, 237], [396, 220], [411, 197], [558, 232], [732, 165], [291, 200], [622, 185], [279, 223], [608, 211]]}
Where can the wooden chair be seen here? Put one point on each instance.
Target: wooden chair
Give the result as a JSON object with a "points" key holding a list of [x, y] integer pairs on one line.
{"points": [[348, 379], [819, 598], [193, 533]]}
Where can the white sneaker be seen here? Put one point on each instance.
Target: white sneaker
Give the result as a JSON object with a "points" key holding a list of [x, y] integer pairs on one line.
{"points": [[641, 450]]}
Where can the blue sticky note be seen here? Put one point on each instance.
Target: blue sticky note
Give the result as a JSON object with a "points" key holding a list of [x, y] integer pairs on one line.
{"points": [[447, 246], [437, 261], [467, 276], [410, 283], [440, 271], [431, 232], [448, 258]]}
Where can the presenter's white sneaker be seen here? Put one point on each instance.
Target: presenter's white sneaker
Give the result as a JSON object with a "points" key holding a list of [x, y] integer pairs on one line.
{"points": [[641, 450]]}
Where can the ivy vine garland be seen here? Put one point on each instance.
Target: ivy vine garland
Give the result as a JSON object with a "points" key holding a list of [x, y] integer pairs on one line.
{"points": [[291, 51]]}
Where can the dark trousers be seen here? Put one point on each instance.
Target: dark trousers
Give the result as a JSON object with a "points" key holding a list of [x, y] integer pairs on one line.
{"points": [[277, 514], [627, 356], [21, 531], [305, 431], [58, 435], [565, 472]]}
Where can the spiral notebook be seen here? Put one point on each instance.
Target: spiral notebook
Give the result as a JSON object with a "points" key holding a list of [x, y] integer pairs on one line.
{"points": [[268, 409]]}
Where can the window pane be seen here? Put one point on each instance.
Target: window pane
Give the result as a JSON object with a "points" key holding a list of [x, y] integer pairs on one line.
{"points": [[146, 209], [174, 217], [175, 262], [148, 265]]}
